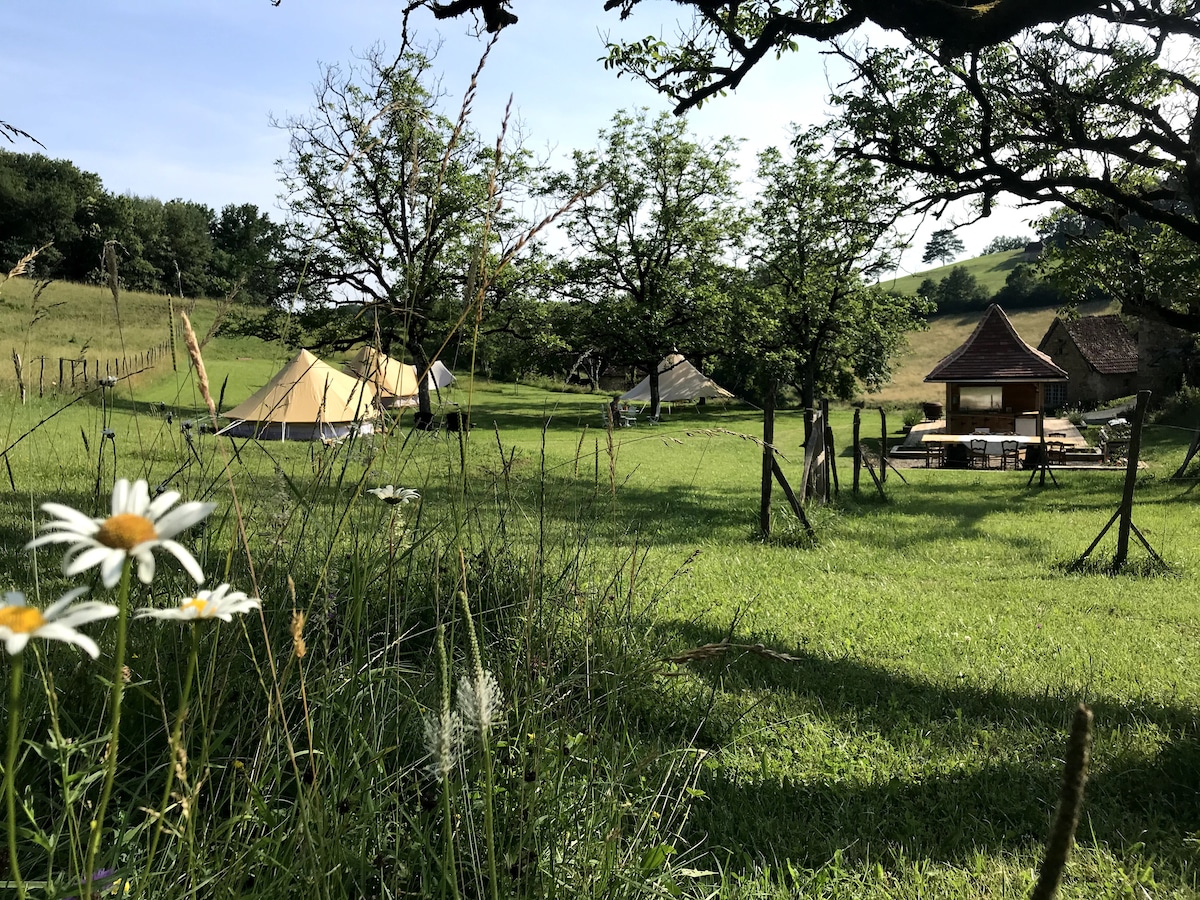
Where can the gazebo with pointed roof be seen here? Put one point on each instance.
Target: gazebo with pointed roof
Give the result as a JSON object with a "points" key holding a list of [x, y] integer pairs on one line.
{"points": [[995, 380]]}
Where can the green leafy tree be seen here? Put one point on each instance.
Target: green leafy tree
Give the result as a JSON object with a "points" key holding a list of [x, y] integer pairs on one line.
{"points": [[943, 246], [823, 232], [658, 217], [43, 202], [1094, 117], [1005, 242], [389, 201], [960, 291], [248, 255]]}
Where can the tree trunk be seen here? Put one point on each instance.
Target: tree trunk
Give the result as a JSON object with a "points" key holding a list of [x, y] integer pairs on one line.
{"points": [[421, 361], [655, 397]]}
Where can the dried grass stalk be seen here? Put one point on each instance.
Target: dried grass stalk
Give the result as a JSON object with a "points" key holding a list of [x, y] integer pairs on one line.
{"points": [[193, 349]]}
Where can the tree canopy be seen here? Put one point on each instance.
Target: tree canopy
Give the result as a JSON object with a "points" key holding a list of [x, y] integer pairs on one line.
{"points": [[393, 201], [821, 235], [943, 246], [657, 219], [730, 37]]}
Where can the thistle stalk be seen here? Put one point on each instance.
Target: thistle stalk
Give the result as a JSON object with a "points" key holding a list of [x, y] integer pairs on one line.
{"points": [[484, 700]]}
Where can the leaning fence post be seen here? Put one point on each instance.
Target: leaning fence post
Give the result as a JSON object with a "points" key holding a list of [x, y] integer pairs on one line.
{"points": [[20, 380]]}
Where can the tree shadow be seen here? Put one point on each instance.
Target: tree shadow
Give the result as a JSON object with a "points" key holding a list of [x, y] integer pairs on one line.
{"points": [[993, 792]]}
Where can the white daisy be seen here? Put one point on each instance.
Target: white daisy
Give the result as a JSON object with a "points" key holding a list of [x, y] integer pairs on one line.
{"points": [[19, 622], [137, 526], [219, 603], [392, 495]]}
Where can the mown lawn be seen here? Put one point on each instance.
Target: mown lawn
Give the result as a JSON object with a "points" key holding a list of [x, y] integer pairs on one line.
{"points": [[905, 739]]}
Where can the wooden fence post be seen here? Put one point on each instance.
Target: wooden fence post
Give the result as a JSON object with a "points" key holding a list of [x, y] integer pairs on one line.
{"points": [[20, 379], [857, 448], [883, 448], [764, 508]]}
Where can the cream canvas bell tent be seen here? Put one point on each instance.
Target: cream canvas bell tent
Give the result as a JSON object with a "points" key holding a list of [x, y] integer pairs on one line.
{"points": [[395, 383], [678, 381], [305, 400]]}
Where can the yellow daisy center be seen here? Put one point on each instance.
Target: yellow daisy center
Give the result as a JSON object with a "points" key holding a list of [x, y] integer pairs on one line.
{"points": [[200, 606], [21, 619], [125, 531]]}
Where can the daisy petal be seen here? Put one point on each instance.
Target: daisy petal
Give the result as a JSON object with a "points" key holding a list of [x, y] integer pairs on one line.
{"points": [[57, 632], [76, 519], [120, 496], [110, 568], [182, 518], [74, 563], [145, 561], [161, 504], [186, 560], [16, 642], [62, 602], [139, 498], [86, 612]]}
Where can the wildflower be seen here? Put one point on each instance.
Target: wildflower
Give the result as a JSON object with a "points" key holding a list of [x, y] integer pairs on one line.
{"points": [[443, 740], [219, 603], [392, 495], [19, 622], [137, 526], [480, 700]]}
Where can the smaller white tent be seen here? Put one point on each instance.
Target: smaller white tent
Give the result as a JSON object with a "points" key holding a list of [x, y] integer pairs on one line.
{"points": [[305, 400], [439, 376], [678, 380]]}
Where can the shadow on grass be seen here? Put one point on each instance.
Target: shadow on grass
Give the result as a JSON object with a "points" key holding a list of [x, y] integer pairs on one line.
{"points": [[968, 768]]}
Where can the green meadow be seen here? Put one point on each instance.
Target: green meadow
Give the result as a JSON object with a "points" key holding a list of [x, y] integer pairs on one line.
{"points": [[883, 714]]}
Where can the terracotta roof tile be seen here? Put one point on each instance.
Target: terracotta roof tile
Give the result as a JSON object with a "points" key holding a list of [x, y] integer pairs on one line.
{"points": [[1104, 342], [995, 353]]}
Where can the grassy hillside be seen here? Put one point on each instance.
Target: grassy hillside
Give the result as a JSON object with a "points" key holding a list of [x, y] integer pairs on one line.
{"points": [[76, 321], [927, 348], [990, 271]]}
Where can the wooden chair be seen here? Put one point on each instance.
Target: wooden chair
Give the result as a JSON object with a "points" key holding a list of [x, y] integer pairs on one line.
{"points": [[1056, 453], [935, 456], [1010, 455], [979, 457]]}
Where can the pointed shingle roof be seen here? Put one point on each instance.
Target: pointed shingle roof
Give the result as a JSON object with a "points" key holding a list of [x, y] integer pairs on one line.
{"points": [[995, 353]]}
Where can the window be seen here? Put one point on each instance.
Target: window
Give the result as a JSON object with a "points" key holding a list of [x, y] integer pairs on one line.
{"points": [[980, 398]]}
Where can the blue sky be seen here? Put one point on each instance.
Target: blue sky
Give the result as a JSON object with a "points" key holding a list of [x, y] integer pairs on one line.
{"points": [[174, 98]]}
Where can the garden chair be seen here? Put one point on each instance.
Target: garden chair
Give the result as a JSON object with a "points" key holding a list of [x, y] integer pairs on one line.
{"points": [[979, 457], [1010, 455], [1056, 452], [935, 456]]}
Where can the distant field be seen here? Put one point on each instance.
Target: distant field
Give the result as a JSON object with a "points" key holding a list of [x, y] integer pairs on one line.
{"points": [[990, 271]]}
